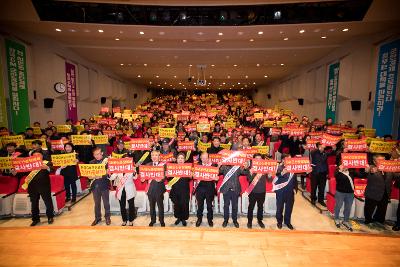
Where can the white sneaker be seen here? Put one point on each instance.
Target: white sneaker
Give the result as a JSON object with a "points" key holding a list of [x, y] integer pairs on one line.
{"points": [[337, 223]]}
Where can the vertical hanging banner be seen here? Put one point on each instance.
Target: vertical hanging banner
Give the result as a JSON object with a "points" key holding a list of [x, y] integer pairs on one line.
{"points": [[333, 84], [3, 107], [18, 86], [386, 82], [70, 78]]}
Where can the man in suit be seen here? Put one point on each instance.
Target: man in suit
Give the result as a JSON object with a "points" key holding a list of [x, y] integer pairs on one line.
{"points": [[215, 146], [156, 192]]}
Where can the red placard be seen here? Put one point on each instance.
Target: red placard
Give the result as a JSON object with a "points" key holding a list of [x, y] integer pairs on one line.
{"points": [[354, 160], [389, 165], [250, 152], [109, 133], [57, 144], [27, 164], [181, 136], [359, 188], [264, 166], [179, 170], [356, 144], [335, 130], [147, 172], [232, 157], [122, 165], [330, 140], [215, 158], [349, 130], [186, 146], [315, 135], [276, 131], [300, 132], [167, 157], [318, 123], [312, 144], [139, 144], [297, 165], [205, 173], [191, 128]]}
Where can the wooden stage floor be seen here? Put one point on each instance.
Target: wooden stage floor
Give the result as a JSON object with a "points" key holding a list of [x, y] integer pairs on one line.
{"points": [[184, 247]]}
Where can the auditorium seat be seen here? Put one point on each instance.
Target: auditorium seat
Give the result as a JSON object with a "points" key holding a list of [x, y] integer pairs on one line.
{"points": [[331, 171], [8, 189], [331, 160]]}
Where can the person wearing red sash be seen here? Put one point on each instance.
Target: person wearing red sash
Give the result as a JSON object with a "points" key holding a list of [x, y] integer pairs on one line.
{"points": [[180, 195], [156, 192]]}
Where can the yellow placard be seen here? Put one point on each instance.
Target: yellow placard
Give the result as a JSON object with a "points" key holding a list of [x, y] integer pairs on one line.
{"points": [[100, 139], [37, 130], [258, 115], [28, 143], [203, 146], [369, 132], [64, 159], [287, 112], [79, 128], [119, 156], [18, 139], [81, 140], [203, 127], [381, 147], [226, 146], [127, 117], [166, 132], [5, 163], [63, 128], [281, 123], [117, 115], [262, 149], [230, 124], [127, 111], [154, 130], [349, 136], [268, 124], [92, 170], [286, 119]]}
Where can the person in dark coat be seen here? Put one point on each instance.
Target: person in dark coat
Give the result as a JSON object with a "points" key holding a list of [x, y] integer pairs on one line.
{"points": [[85, 151], [180, 195], [215, 146], [70, 174]]}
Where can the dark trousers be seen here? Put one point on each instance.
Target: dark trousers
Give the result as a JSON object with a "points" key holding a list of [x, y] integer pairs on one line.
{"points": [[131, 207], [159, 200], [318, 180], [254, 198], [398, 215], [70, 185], [46, 196], [284, 200], [209, 198], [99, 195], [231, 197], [181, 207], [369, 208]]}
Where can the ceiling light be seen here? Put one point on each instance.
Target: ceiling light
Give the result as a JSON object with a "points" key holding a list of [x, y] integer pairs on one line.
{"points": [[86, 30], [217, 41], [220, 34], [122, 64], [190, 65], [235, 65], [285, 39], [145, 64], [260, 33], [229, 76], [254, 82], [212, 65], [246, 77], [223, 83], [129, 64], [72, 30], [168, 65], [251, 40], [151, 40], [58, 30], [277, 14], [210, 76], [200, 33], [332, 30], [165, 82], [323, 37], [345, 30], [161, 33], [158, 85], [238, 82], [157, 76], [180, 83], [101, 31], [302, 31], [282, 64], [141, 33], [240, 33], [139, 76], [258, 65], [184, 41], [175, 76], [116, 39], [317, 30], [150, 82], [265, 76]]}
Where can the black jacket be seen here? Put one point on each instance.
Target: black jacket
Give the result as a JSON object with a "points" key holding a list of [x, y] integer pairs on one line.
{"points": [[378, 185], [156, 189], [342, 181]]}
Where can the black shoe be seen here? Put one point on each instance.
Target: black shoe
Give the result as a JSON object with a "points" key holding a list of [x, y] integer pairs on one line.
{"points": [[236, 224], [396, 228], [322, 203], [210, 223], [261, 224], [313, 202], [249, 225], [224, 224], [123, 224], [279, 225], [162, 224], [177, 221], [35, 222], [67, 200], [73, 200], [95, 222], [50, 220], [151, 224], [184, 223], [198, 222], [289, 226], [108, 221]]}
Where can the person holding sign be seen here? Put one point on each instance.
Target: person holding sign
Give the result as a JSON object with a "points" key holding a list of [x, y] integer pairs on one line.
{"points": [[180, 194], [156, 192], [37, 147], [120, 149], [215, 146], [70, 174], [100, 189]]}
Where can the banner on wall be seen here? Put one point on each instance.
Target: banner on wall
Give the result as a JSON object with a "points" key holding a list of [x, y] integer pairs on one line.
{"points": [[18, 85], [386, 82], [70, 78], [3, 107], [333, 86]]}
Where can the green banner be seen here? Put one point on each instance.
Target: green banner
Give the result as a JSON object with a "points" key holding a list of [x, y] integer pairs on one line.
{"points": [[333, 85], [3, 107], [18, 86]]}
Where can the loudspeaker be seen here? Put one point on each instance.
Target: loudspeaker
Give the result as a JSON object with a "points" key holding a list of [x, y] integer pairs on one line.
{"points": [[34, 94], [269, 96], [148, 90], [134, 96], [369, 96], [301, 101], [48, 102], [103, 100], [355, 105]]}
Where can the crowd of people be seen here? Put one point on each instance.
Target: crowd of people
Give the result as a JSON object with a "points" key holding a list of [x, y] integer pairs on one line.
{"points": [[214, 124]]}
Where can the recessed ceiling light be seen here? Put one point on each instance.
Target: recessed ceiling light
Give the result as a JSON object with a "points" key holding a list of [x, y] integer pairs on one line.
{"points": [[281, 32], [332, 30], [254, 82], [58, 30], [240, 33], [145, 64], [251, 40], [200, 33], [220, 34], [190, 65], [235, 65], [210, 76], [121, 32], [180, 83], [141, 33], [116, 39], [165, 82], [227, 57], [258, 65], [161, 33], [101, 30], [129, 64], [86, 30], [175, 76], [317, 30], [72, 30], [184, 41], [229, 76], [238, 82], [151, 40], [247, 77], [168, 65], [323, 37], [285, 39], [158, 85], [302, 31], [265, 76], [150, 82], [260, 33], [345, 30], [157, 76], [212, 65], [139, 76], [282, 64], [217, 41], [122, 64]]}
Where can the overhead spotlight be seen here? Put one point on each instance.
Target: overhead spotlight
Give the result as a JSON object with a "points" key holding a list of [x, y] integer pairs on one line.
{"points": [[277, 14], [119, 17], [182, 15], [223, 16], [153, 16]]}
